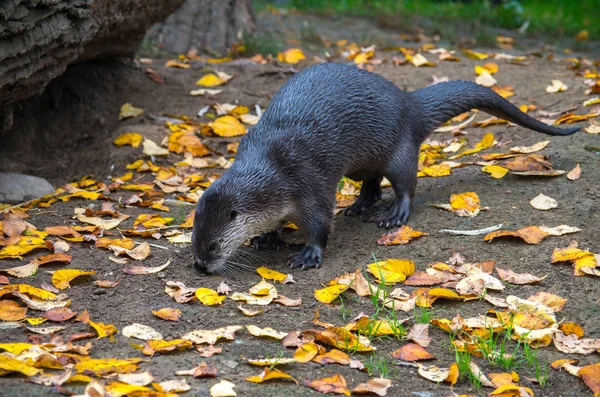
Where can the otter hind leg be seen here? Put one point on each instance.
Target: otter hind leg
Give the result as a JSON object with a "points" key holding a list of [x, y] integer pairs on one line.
{"points": [[370, 193], [402, 174], [269, 241]]}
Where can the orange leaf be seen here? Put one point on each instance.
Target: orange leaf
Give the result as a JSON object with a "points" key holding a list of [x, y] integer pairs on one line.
{"points": [[529, 234], [572, 328], [168, 313], [378, 386], [412, 352], [11, 311], [269, 374], [333, 384], [400, 236]]}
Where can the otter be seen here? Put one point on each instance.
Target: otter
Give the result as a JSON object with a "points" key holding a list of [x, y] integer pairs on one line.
{"points": [[328, 121]]}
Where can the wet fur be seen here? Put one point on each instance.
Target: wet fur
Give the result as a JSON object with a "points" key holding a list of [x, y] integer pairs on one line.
{"points": [[328, 121]]}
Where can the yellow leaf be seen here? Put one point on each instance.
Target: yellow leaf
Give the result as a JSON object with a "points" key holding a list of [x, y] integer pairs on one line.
{"points": [[131, 138], [475, 55], [329, 294], [9, 364], [333, 384], [436, 170], [105, 366], [209, 297], [128, 111], [392, 270], [210, 80], [15, 348], [262, 288], [24, 245], [504, 92], [228, 126], [103, 330], [269, 332], [293, 55], [28, 290], [495, 171], [306, 352], [36, 320], [556, 86], [465, 204], [62, 277], [163, 346], [271, 274], [118, 389], [269, 374]]}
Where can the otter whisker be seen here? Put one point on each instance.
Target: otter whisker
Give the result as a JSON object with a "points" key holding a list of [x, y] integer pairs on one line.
{"points": [[238, 265], [249, 255]]}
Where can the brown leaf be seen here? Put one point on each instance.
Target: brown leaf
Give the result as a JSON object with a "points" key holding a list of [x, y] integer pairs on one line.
{"points": [[146, 270], [516, 278], [529, 234], [60, 314], [424, 279], [209, 350], [412, 352], [575, 173], [573, 344], [377, 386], [154, 76], [419, 333], [107, 283], [333, 384]]}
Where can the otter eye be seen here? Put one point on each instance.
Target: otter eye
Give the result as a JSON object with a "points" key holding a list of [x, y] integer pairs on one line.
{"points": [[212, 247], [233, 215]]}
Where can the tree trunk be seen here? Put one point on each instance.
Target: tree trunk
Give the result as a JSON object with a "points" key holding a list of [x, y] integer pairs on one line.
{"points": [[205, 25], [40, 38]]}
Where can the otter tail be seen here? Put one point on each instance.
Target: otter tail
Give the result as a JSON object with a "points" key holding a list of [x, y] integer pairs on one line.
{"points": [[443, 101]]}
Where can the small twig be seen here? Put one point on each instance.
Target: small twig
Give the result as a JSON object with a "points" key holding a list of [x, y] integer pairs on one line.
{"points": [[472, 232], [155, 246]]}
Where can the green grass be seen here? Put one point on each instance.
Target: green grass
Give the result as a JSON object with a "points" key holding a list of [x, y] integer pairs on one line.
{"points": [[556, 18], [377, 365]]}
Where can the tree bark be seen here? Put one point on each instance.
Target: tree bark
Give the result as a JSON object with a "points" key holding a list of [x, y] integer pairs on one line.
{"points": [[40, 38], [211, 26]]}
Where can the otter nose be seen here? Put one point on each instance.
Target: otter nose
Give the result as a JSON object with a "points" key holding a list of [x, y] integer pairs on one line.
{"points": [[200, 265]]}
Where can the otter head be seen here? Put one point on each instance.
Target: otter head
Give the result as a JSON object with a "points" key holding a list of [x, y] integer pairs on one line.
{"points": [[232, 209], [220, 227]]}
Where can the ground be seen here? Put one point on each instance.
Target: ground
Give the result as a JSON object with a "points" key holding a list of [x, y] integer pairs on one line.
{"points": [[353, 242]]}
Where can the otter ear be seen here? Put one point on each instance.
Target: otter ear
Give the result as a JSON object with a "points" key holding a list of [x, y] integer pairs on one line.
{"points": [[233, 214]]}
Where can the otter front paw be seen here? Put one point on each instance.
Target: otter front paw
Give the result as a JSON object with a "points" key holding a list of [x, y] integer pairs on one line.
{"points": [[396, 215], [268, 241], [310, 256]]}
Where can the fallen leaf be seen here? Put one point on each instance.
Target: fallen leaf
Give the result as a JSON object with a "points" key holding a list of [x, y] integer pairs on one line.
{"points": [[377, 386], [412, 352], [223, 389], [519, 279], [139, 379], [530, 149], [590, 374], [9, 364], [137, 270], [267, 331], [131, 138], [60, 314], [212, 336], [495, 171], [330, 293], [129, 111], [544, 203], [107, 283], [400, 236], [62, 277], [174, 386], [269, 374], [209, 351], [292, 55], [572, 344], [572, 329], [529, 234], [556, 86], [168, 313], [249, 312], [419, 333], [140, 331], [11, 311], [209, 297], [271, 274], [392, 271], [575, 173], [285, 301], [306, 352], [486, 79], [211, 80], [153, 346], [228, 126], [334, 384]]}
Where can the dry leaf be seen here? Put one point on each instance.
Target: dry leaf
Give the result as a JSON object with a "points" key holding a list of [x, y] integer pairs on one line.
{"points": [[62, 277], [519, 279], [131, 138], [11, 311], [392, 271], [419, 333], [412, 352], [293, 55], [145, 270], [212, 336], [228, 126], [530, 149], [377, 386], [168, 313], [529, 234], [334, 384], [591, 377], [223, 389], [544, 203], [330, 293], [269, 374], [556, 86], [575, 173], [495, 171], [400, 236], [129, 111], [209, 297], [269, 332]]}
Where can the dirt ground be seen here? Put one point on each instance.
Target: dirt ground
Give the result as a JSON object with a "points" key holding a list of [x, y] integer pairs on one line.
{"points": [[352, 243]]}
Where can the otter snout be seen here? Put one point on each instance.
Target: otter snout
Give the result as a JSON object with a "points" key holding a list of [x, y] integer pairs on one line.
{"points": [[199, 264]]}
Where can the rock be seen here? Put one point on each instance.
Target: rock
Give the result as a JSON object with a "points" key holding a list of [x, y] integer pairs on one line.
{"points": [[39, 39], [17, 188]]}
